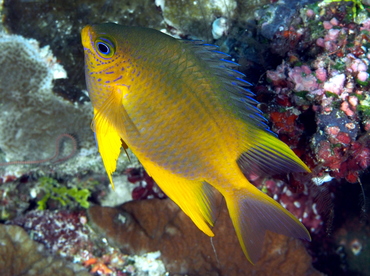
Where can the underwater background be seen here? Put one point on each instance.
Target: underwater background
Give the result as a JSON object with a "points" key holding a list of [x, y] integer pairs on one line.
{"points": [[309, 64]]}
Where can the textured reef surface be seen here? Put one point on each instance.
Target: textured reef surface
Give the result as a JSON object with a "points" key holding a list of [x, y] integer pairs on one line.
{"points": [[309, 63]]}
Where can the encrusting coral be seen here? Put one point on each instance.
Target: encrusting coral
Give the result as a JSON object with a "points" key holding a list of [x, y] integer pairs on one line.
{"points": [[32, 117]]}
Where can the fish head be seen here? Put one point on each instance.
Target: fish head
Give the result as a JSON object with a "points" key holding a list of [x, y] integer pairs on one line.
{"points": [[106, 61], [101, 53]]}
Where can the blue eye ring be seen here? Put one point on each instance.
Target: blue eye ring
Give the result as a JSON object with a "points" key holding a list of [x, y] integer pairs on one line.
{"points": [[105, 47]]}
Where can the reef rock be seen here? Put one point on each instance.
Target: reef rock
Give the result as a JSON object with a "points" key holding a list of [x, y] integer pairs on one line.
{"points": [[143, 226]]}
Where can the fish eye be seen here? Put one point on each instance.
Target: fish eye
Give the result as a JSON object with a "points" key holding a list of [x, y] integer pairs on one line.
{"points": [[104, 47]]}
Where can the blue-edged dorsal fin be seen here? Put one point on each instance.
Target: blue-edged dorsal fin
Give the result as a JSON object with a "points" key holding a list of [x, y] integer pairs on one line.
{"points": [[260, 149], [266, 154]]}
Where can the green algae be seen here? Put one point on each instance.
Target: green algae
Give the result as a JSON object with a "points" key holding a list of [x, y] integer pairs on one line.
{"points": [[65, 196]]}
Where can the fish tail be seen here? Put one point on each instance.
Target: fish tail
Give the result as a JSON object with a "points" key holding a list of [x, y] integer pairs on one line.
{"points": [[252, 213]]}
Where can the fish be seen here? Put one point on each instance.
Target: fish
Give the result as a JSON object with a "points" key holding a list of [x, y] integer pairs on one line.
{"points": [[191, 120]]}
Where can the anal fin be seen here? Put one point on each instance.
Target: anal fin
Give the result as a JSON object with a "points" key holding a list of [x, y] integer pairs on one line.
{"points": [[195, 198]]}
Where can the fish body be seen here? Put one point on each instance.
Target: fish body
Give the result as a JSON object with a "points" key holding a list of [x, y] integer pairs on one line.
{"points": [[185, 113]]}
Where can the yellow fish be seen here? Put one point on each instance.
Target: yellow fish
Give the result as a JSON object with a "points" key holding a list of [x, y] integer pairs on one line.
{"points": [[184, 112]]}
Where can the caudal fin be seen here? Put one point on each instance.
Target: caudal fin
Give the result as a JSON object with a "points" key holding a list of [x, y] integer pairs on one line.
{"points": [[253, 212]]}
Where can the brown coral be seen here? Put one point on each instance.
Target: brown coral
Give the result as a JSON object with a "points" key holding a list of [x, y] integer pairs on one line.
{"points": [[19, 255], [150, 225]]}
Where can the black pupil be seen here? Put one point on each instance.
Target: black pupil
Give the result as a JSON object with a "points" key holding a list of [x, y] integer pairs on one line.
{"points": [[103, 48]]}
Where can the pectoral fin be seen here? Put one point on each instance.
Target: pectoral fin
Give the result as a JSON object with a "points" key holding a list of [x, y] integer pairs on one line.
{"points": [[109, 145], [111, 120]]}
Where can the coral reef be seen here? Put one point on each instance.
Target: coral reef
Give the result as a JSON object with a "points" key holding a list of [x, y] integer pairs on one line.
{"points": [[315, 93], [317, 100], [136, 227], [15, 199], [19, 255], [278, 15], [331, 81], [116, 263]]}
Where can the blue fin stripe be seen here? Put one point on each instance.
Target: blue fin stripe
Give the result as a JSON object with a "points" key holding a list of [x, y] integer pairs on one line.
{"points": [[219, 52], [244, 81], [238, 72], [230, 62]]}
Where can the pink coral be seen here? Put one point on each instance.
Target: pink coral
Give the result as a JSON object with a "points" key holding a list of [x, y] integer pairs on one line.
{"points": [[353, 101], [362, 76], [327, 25], [365, 25], [357, 65], [334, 21], [320, 42], [321, 74], [332, 34], [346, 109], [277, 77], [310, 13], [330, 46], [303, 79], [335, 84]]}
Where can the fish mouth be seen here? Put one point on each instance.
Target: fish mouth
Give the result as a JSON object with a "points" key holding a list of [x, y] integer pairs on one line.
{"points": [[86, 37]]}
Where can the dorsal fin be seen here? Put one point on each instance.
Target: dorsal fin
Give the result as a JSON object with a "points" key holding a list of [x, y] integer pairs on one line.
{"points": [[260, 149]]}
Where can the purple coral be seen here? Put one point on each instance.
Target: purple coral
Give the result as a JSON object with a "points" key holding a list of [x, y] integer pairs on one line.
{"points": [[147, 187]]}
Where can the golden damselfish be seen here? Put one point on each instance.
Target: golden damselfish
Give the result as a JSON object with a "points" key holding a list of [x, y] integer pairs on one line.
{"points": [[187, 115]]}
